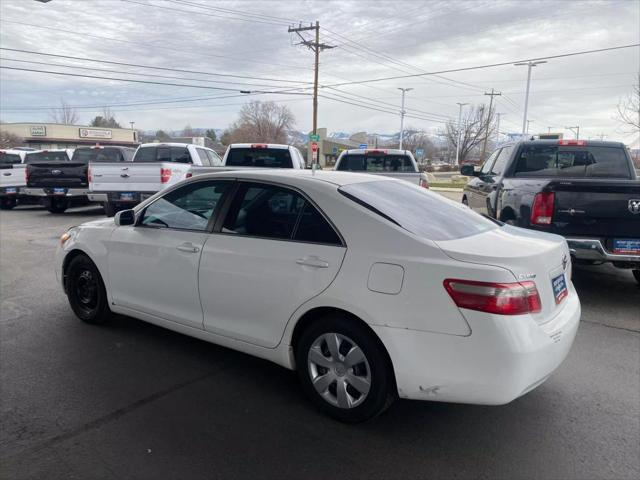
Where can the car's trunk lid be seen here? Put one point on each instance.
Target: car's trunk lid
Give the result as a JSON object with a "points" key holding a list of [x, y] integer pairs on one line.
{"points": [[528, 255]]}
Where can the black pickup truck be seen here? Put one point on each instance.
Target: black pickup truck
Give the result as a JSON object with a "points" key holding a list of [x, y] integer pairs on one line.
{"points": [[586, 191], [64, 183]]}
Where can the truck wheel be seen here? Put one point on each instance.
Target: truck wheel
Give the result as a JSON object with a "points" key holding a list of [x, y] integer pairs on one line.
{"points": [[56, 205], [344, 369], [636, 273], [7, 203], [110, 209], [85, 291], [465, 201]]}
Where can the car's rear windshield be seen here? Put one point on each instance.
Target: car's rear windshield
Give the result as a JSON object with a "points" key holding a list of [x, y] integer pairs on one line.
{"points": [[87, 155], [418, 210], [60, 156], [259, 157], [372, 162], [9, 158], [572, 161]]}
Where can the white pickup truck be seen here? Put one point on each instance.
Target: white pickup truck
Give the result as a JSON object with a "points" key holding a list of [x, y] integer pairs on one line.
{"points": [[392, 163], [12, 178], [263, 155], [155, 166]]}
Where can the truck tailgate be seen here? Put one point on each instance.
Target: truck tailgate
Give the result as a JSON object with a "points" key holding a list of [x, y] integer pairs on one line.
{"points": [[57, 174], [12, 175], [595, 208], [125, 177]]}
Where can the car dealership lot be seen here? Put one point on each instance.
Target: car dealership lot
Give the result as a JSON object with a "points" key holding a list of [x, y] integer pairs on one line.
{"points": [[132, 400]]}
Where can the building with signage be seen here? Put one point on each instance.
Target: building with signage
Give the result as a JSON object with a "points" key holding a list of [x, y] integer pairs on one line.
{"points": [[328, 149], [43, 136]]}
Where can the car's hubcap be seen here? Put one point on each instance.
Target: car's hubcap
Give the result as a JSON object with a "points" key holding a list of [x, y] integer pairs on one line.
{"points": [[87, 289], [339, 370]]}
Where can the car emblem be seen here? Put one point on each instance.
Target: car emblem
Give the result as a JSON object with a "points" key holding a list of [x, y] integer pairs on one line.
{"points": [[565, 261], [56, 172], [634, 206]]}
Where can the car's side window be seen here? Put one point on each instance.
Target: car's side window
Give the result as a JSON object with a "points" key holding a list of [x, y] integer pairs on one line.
{"points": [[501, 162], [214, 158], [271, 211], [204, 159], [187, 208], [488, 163], [146, 154]]}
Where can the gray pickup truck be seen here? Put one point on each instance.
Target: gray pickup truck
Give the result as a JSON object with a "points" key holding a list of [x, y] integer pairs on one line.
{"points": [[392, 163]]}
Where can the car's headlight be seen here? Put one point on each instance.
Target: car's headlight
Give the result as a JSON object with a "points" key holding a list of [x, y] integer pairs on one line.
{"points": [[66, 236]]}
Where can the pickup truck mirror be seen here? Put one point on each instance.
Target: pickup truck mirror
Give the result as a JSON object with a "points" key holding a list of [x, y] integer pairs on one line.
{"points": [[468, 170], [125, 217]]}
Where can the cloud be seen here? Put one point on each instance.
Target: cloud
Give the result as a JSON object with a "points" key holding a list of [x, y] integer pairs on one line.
{"points": [[373, 39]]}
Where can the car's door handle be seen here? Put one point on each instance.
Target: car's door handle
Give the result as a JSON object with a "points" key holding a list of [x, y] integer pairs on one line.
{"points": [[312, 261], [188, 247], [97, 175], [124, 175]]}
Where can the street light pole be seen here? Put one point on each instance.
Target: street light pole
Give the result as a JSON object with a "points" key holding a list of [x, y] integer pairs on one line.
{"points": [[402, 112], [528, 122], [530, 65], [459, 131], [575, 130]]}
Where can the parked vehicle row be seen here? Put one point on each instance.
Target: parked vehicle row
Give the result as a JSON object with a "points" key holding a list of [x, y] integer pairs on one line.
{"points": [[586, 191]]}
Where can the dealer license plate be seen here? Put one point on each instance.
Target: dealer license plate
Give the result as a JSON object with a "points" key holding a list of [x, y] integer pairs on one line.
{"points": [[559, 285], [626, 246], [59, 191], [127, 197], [10, 190]]}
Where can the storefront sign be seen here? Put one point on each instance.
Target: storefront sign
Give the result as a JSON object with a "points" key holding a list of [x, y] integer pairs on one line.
{"points": [[92, 133], [38, 131]]}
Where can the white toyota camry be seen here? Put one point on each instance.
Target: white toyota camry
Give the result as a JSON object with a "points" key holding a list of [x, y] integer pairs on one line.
{"points": [[370, 287]]}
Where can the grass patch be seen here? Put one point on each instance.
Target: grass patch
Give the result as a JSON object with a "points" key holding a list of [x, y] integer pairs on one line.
{"points": [[447, 184]]}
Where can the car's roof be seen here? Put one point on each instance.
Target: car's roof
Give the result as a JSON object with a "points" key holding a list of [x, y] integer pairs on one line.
{"points": [[46, 150], [12, 151], [171, 144], [568, 142], [297, 176], [262, 145], [388, 151]]}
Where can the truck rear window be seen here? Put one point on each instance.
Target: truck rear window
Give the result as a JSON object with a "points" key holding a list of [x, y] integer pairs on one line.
{"points": [[9, 158], [87, 155], [572, 161], [359, 162], [259, 157], [417, 210], [46, 157]]}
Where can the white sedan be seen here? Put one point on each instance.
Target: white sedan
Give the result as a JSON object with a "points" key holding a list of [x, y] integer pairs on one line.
{"points": [[372, 288]]}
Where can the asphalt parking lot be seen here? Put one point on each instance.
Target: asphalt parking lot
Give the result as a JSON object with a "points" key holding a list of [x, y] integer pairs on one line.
{"points": [[131, 400]]}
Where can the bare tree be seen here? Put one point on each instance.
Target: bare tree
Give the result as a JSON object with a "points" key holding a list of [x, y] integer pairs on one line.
{"points": [[65, 114], [106, 120], [261, 122], [473, 130], [628, 112], [9, 140], [415, 139], [187, 131]]}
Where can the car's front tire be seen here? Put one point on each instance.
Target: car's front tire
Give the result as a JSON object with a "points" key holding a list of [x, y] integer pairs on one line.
{"points": [[344, 369], [86, 292], [636, 274], [7, 203]]}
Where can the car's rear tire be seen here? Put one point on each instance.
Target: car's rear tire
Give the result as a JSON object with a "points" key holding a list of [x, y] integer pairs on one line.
{"points": [[636, 273], [344, 369], [465, 201], [7, 203], [85, 291], [57, 205], [110, 209]]}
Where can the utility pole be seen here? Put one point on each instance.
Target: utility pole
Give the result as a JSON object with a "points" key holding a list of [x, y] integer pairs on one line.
{"points": [[316, 47], [402, 113], [530, 65], [486, 132], [575, 130], [459, 131], [548, 129]]}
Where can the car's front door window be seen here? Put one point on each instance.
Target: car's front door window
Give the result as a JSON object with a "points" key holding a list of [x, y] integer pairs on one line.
{"points": [[187, 208]]}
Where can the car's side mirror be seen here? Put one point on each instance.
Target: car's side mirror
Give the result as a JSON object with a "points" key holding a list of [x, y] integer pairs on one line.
{"points": [[125, 217], [468, 170]]}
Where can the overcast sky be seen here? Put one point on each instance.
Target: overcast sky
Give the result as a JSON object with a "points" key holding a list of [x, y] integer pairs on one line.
{"points": [[372, 39]]}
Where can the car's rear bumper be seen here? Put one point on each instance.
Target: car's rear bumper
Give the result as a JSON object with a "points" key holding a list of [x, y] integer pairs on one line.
{"points": [[502, 359], [115, 197], [46, 192], [593, 249]]}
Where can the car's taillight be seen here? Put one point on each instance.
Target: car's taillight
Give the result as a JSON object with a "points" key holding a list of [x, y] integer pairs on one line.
{"points": [[165, 175], [499, 298], [259, 145], [581, 143], [26, 174], [542, 208], [424, 183]]}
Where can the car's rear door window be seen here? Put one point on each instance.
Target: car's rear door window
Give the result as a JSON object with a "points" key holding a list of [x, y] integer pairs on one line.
{"points": [[417, 210], [259, 157], [572, 161], [374, 162]]}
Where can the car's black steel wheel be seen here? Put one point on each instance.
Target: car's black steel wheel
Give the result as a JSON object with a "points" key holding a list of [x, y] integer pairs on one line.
{"points": [[636, 273], [344, 369], [86, 292], [7, 203]]}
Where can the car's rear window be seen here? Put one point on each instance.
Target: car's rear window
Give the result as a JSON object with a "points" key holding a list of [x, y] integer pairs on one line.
{"points": [[9, 158], [97, 155], [371, 162], [46, 157], [418, 210], [572, 161], [259, 157]]}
